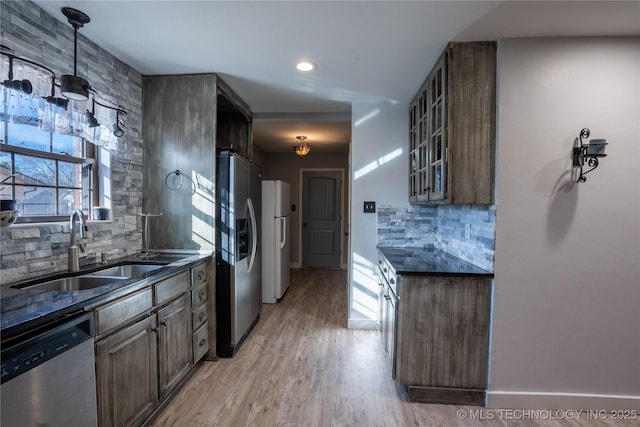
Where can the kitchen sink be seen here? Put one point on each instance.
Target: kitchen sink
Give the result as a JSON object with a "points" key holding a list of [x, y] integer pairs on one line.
{"points": [[77, 283], [127, 270]]}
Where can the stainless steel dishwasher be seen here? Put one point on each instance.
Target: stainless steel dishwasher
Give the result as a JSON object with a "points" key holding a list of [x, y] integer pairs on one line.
{"points": [[48, 377]]}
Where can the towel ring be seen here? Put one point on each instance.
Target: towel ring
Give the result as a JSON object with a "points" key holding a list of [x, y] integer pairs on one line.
{"points": [[169, 175]]}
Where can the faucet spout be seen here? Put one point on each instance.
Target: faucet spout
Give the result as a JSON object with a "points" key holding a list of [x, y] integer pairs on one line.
{"points": [[74, 257]]}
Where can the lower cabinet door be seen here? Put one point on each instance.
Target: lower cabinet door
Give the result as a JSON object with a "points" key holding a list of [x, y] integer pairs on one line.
{"points": [[175, 356], [127, 376]]}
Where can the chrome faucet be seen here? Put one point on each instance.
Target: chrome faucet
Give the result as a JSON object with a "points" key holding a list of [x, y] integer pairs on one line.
{"points": [[74, 259]]}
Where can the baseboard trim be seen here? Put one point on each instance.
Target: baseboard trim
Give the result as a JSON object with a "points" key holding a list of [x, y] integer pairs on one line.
{"points": [[363, 324], [577, 401], [445, 395]]}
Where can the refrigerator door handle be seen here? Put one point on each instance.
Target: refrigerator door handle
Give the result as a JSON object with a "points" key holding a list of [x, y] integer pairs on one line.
{"points": [[283, 234], [254, 234]]}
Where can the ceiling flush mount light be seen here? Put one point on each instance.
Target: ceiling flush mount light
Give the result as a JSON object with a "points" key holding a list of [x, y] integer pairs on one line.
{"points": [[72, 86], [306, 66], [587, 153], [302, 149]]}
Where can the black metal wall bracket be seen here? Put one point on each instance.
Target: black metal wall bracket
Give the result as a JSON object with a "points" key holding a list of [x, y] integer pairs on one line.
{"points": [[582, 155]]}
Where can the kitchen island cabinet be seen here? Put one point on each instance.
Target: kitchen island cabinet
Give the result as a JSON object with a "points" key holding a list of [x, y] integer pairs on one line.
{"points": [[442, 325]]}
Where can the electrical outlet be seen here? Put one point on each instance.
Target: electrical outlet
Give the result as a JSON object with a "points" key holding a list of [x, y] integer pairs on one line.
{"points": [[369, 207]]}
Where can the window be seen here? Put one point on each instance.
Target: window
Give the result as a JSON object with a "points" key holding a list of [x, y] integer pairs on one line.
{"points": [[53, 169]]}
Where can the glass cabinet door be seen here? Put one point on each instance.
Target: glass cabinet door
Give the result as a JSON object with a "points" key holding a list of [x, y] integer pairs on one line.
{"points": [[427, 139], [437, 133]]}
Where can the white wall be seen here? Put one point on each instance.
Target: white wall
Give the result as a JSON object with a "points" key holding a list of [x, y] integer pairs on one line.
{"points": [[379, 172], [567, 262]]}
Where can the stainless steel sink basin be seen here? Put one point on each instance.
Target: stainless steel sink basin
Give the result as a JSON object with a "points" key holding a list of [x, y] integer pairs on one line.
{"points": [[127, 270], [77, 283]]}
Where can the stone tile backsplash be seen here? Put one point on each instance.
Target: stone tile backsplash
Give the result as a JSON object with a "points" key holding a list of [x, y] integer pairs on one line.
{"points": [[465, 231]]}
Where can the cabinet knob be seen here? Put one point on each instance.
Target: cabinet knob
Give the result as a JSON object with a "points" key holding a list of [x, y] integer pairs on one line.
{"points": [[201, 275], [164, 322], [201, 296], [201, 316], [202, 342]]}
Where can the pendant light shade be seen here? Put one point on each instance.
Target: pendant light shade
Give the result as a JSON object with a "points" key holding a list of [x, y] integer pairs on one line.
{"points": [[117, 130], [303, 148], [72, 86], [92, 122]]}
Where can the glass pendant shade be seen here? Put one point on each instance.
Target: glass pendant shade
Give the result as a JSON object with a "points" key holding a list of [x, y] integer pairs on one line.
{"points": [[302, 149]]}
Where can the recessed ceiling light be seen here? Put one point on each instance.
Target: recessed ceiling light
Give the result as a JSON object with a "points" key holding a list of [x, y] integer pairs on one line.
{"points": [[306, 66]]}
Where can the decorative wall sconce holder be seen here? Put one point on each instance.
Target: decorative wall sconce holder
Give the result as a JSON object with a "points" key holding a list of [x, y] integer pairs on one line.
{"points": [[587, 153]]}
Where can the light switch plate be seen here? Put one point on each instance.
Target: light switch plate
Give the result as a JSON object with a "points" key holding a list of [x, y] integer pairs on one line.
{"points": [[369, 207]]}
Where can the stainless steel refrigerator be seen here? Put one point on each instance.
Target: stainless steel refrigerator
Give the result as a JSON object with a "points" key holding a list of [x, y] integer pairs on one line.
{"points": [[238, 254]]}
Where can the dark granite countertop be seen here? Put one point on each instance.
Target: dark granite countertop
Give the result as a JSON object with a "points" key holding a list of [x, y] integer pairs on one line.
{"points": [[24, 309], [428, 261]]}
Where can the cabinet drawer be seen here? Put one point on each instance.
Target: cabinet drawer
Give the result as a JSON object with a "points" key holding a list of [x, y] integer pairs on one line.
{"points": [[119, 312], [200, 342], [199, 274], [198, 295], [171, 288], [198, 316]]}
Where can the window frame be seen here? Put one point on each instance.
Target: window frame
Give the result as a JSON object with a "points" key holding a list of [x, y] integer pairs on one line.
{"points": [[88, 186]]}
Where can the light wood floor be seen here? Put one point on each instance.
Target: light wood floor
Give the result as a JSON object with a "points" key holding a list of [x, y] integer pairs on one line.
{"points": [[301, 366]]}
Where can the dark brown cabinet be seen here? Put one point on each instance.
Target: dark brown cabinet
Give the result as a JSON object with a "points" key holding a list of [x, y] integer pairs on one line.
{"points": [[145, 345], [442, 352], [174, 343], [126, 364], [452, 128]]}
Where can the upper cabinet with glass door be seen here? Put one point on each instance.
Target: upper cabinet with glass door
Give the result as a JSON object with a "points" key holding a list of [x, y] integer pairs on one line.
{"points": [[452, 128]]}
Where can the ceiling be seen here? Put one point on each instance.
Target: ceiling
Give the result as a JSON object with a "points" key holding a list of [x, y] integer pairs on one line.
{"points": [[366, 51]]}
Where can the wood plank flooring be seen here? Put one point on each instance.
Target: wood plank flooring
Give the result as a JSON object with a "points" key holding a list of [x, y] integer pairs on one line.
{"points": [[301, 366]]}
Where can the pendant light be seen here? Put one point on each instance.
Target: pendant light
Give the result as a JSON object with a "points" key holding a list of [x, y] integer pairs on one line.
{"points": [[72, 86], [92, 122], [117, 130], [302, 149]]}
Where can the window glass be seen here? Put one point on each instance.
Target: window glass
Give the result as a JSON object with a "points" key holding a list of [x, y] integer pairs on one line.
{"points": [[66, 144], [69, 174], [68, 200], [34, 201], [35, 171], [27, 136]]}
